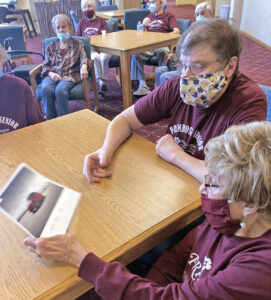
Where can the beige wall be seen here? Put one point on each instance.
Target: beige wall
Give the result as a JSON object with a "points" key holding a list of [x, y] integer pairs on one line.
{"points": [[256, 20]]}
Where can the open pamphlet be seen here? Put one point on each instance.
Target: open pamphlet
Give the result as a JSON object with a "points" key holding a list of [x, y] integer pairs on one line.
{"points": [[38, 205]]}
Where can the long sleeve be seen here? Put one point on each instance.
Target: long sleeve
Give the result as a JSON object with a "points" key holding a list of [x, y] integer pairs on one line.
{"points": [[46, 64], [82, 54]]}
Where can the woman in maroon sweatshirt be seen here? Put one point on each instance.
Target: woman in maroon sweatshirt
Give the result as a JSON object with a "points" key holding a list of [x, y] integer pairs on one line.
{"points": [[226, 257]]}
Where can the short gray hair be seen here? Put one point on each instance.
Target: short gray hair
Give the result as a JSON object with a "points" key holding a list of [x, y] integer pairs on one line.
{"points": [[91, 2], [206, 7], [224, 39], [61, 17]]}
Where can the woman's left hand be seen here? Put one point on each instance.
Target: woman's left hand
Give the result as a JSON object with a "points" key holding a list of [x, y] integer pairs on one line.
{"points": [[63, 247], [84, 71]]}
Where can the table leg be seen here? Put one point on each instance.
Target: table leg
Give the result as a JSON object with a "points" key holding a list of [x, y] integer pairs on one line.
{"points": [[26, 24], [126, 79], [31, 21]]}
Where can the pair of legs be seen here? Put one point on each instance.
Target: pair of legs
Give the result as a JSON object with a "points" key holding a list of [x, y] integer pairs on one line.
{"points": [[137, 67], [162, 74], [101, 61], [55, 97]]}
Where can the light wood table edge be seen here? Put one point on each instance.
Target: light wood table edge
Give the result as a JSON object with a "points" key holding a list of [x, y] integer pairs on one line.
{"points": [[75, 286]]}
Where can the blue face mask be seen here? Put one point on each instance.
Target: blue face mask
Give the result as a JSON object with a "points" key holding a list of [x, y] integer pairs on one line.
{"points": [[1, 72], [201, 18], [153, 7], [63, 37]]}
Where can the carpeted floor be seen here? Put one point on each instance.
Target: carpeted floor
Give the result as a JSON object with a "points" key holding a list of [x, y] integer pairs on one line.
{"points": [[255, 62]]}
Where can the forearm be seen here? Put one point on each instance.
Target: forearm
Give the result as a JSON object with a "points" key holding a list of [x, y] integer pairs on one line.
{"points": [[118, 131], [193, 166]]}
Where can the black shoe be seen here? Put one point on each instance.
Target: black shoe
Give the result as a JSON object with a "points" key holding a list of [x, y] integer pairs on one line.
{"points": [[102, 90]]}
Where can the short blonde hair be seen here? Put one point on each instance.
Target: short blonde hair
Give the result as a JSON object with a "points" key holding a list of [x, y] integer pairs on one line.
{"points": [[240, 160], [61, 17], [91, 2]]}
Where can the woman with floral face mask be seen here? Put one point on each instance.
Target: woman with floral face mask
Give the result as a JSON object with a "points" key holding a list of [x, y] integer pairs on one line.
{"points": [[65, 64], [226, 258], [94, 25]]}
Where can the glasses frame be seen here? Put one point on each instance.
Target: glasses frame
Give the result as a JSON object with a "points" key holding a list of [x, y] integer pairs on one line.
{"points": [[208, 178], [194, 68]]}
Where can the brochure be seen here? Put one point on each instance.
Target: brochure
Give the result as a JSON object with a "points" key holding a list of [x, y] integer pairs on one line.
{"points": [[38, 205]]}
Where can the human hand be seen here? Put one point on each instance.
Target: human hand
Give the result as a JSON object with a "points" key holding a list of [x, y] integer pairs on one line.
{"points": [[146, 22], [64, 247], [167, 148], [94, 166], [84, 71], [54, 76]]}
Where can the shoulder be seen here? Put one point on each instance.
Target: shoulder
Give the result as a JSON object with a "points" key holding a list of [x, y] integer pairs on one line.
{"points": [[168, 14], [10, 82], [100, 19]]}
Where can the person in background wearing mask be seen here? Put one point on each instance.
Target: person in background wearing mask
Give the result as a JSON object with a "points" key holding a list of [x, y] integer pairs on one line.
{"points": [[203, 12], [157, 21], [18, 107], [93, 25], [208, 97], [227, 257], [65, 65]]}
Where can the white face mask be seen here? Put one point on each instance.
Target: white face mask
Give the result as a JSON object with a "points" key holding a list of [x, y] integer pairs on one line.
{"points": [[200, 90]]}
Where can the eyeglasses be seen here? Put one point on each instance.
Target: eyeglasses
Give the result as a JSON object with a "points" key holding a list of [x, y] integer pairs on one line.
{"points": [[200, 13], [194, 68], [209, 182]]}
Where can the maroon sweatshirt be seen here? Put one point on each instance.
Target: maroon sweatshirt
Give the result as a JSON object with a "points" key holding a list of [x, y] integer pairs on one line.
{"points": [[204, 265]]}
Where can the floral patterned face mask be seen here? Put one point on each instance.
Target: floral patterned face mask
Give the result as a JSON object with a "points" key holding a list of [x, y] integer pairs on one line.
{"points": [[201, 90]]}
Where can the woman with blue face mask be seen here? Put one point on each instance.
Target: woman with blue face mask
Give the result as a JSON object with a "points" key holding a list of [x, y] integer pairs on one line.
{"points": [[65, 65]]}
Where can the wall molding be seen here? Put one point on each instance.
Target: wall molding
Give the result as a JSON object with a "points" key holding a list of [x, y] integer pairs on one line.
{"points": [[256, 40]]}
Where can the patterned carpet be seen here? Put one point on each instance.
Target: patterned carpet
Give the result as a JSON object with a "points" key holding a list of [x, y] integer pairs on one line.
{"points": [[255, 62]]}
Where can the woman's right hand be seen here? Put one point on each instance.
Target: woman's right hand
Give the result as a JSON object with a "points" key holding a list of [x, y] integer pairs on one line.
{"points": [[95, 164], [54, 76]]}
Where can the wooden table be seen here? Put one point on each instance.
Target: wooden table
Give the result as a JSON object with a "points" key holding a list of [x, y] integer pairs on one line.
{"points": [[145, 201], [112, 14], [126, 43]]}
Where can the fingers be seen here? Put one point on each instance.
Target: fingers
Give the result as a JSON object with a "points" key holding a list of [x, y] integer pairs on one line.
{"points": [[93, 169]]}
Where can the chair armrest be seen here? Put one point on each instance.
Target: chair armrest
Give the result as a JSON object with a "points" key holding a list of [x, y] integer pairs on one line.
{"points": [[32, 76]]}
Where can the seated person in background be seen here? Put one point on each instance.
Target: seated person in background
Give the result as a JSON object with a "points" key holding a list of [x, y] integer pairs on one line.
{"points": [[226, 257], [93, 25], [65, 64], [203, 12], [208, 97], [157, 21], [18, 108]]}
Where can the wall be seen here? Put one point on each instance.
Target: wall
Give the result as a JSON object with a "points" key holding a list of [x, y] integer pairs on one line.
{"points": [[256, 20], [218, 3]]}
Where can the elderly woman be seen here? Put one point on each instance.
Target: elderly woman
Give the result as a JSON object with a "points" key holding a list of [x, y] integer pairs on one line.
{"points": [[226, 257], [65, 64], [203, 11], [93, 25]]}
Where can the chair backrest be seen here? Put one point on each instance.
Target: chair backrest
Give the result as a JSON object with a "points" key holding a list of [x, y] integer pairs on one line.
{"points": [[183, 24], [267, 91], [131, 17], [14, 35], [85, 40], [75, 19], [3, 13], [107, 8]]}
